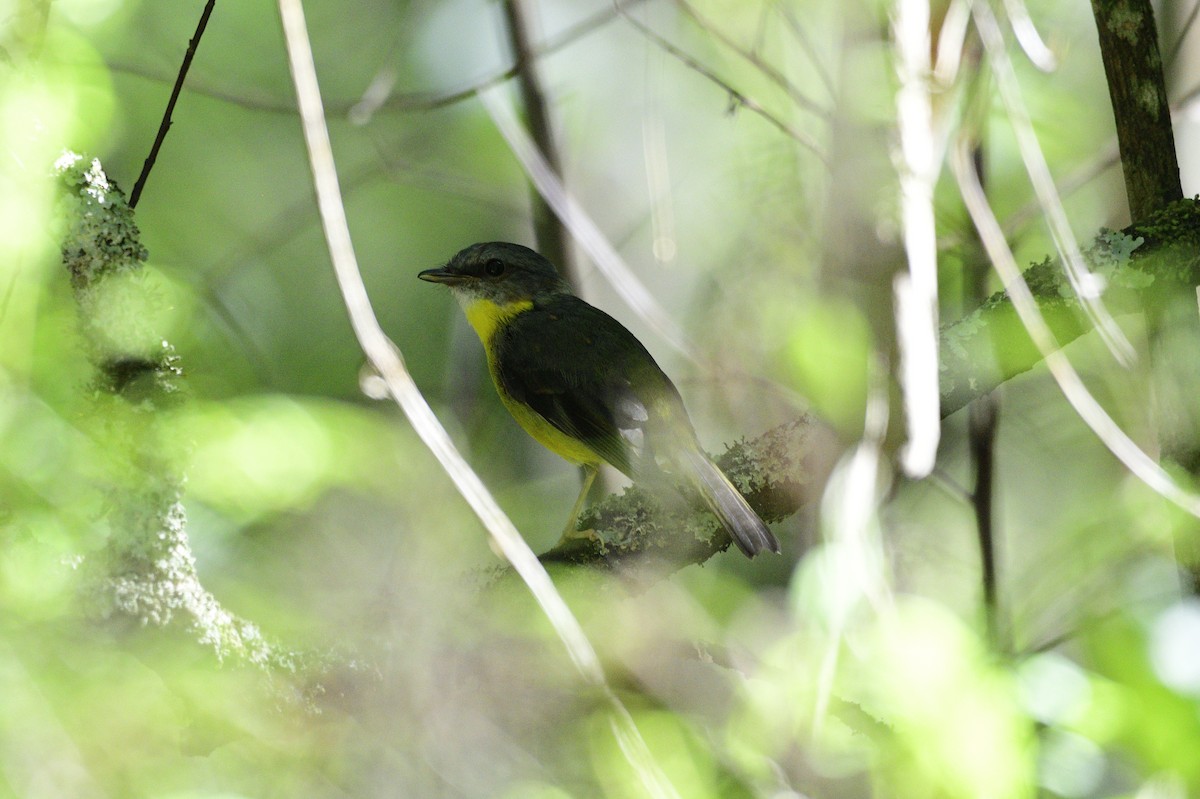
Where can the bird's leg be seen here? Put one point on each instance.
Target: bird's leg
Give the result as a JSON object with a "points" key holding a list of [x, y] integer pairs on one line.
{"points": [[589, 476]]}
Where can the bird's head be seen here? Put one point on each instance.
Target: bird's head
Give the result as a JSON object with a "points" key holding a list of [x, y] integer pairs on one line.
{"points": [[499, 272]]}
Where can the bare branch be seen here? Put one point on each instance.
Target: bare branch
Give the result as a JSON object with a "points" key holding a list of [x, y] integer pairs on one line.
{"points": [[736, 96], [165, 125], [403, 102], [774, 75]]}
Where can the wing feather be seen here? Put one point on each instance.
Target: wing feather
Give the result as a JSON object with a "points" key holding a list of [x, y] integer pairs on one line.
{"points": [[585, 374]]}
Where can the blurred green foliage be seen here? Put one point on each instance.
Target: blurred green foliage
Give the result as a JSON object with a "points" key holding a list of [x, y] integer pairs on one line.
{"points": [[337, 625]]}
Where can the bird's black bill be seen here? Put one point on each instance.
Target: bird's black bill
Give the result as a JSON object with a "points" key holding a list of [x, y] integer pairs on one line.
{"points": [[442, 275]]}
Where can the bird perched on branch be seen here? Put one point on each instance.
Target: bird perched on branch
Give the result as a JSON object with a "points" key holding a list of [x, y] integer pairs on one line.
{"points": [[582, 385]]}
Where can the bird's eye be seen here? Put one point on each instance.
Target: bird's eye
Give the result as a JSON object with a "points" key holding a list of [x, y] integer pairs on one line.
{"points": [[494, 267]]}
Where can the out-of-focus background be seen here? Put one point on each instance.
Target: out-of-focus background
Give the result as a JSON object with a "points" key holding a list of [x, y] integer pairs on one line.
{"points": [[741, 156]]}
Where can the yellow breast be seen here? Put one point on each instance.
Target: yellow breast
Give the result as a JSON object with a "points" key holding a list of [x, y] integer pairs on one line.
{"points": [[486, 317]]}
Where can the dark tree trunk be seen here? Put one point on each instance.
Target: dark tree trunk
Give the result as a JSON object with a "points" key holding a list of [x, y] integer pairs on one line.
{"points": [[1129, 49]]}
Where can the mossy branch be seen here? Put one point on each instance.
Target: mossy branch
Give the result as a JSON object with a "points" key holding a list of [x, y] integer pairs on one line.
{"points": [[1141, 263], [776, 472]]}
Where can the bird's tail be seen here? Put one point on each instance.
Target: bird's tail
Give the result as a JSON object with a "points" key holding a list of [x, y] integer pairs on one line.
{"points": [[744, 526]]}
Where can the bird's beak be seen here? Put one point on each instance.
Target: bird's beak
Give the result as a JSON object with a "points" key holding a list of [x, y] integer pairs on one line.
{"points": [[442, 275]]}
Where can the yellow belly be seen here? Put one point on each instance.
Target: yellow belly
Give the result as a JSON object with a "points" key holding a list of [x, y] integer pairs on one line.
{"points": [[545, 433], [486, 317]]}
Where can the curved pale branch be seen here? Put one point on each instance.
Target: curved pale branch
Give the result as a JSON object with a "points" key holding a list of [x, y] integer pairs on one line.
{"points": [[1086, 286], [585, 231], [916, 292]]}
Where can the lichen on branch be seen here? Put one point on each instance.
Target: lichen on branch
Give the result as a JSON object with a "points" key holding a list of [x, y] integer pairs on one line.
{"points": [[778, 472], [990, 345]]}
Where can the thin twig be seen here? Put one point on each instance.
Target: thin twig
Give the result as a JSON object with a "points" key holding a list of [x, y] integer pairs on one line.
{"points": [[165, 125], [389, 364], [295, 218], [1014, 223], [1106, 159], [737, 97], [806, 44], [383, 84], [429, 101], [763, 66], [403, 102]]}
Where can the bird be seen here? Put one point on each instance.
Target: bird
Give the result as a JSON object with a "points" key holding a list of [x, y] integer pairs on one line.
{"points": [[583, 386]]}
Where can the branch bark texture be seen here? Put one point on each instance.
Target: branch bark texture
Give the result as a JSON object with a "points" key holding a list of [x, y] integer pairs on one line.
{"points": [[1133, 66]]}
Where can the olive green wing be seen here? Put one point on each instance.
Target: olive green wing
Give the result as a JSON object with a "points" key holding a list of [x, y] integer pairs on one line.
{"points": [[591, 379], [585, 374]]}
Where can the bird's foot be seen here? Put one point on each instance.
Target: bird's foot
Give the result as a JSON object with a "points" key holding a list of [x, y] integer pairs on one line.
{"points": [[571, 535]]}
